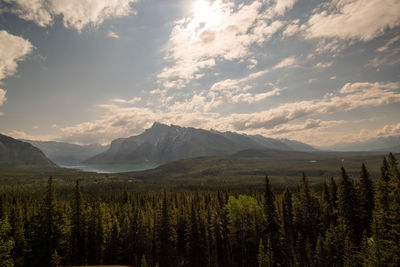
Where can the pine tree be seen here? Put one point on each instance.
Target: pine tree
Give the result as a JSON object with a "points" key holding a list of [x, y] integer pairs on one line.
{"points": [[51, 235], [166, 235], [287, 226], [18, 234], [78, 229], [394, 208], [143, 262], [6, 244], [366, 199], [385, 170], [308, 213], [347, 201], [272, 226]]}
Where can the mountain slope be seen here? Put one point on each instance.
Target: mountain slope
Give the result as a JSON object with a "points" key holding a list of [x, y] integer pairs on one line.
{"points": [[162, 143], [18, 154], [259, 141], [67, 154], [389, 143]]}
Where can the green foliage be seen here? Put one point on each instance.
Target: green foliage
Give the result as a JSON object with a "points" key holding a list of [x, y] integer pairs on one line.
{"points": [[6, 244], [324, 225]]}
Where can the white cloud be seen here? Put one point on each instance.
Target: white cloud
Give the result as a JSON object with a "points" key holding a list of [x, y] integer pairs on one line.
{"points": [[388, 44], [281, 6], [12, 50], [123, 101], [33, 10], [289, 62], [252, 98], [354, 19], [75, 13], [125, 121], [2, 96], [22, 135], [386, 57], [350, 97], [323, 65], [227, 33], [112, 34], [309, 124], [252, 63], [291, 29]]}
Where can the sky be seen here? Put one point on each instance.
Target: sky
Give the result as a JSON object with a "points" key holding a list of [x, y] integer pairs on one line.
{"points": [[90, 71]]}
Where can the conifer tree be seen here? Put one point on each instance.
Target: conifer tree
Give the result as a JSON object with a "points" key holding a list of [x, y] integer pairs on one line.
{"points": [[78, 229], [287, 225], [347, 201], [166, 235], [272, 226], [385, 170], [366, 199], [51, 235], [18, 235], [6, 244]]}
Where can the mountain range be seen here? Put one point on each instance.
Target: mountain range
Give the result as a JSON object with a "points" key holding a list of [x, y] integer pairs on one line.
{"points": [[385, 144], [163, 143], [67, 154], [18, 154]]}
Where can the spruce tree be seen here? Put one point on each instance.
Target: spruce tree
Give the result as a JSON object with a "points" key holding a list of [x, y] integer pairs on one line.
{"points": [[366, 199], [6, 244], [78, 229], [166, 235], [18, 234], [347, 209], [272, 226]]}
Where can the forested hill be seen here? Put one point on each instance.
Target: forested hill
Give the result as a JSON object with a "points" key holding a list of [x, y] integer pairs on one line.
{"points": [[18, 154]]}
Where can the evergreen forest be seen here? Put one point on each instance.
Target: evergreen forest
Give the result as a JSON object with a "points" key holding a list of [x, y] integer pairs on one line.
{"points": [[346, 221]]}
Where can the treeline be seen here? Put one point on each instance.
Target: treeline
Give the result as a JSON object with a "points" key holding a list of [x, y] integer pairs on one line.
{"points": [[350, 222]]}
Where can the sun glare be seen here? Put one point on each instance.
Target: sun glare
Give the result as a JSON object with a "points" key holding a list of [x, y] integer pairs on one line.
{"points": [[205, 12]]}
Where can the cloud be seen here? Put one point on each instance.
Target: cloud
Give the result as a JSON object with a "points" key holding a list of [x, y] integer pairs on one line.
{"points": [[123, 121], [123, 101], [227, 33], [388, 44], [252, 63], [75, 13], [2, 96], [281, 6], [387, 54], [235, 84], [323, 65], [252, 98], [350, 97], [12, 50], [354, 19], [309, 124], [285, 63], [22, 135], [112, 34], [291, 29], [32, 10]]}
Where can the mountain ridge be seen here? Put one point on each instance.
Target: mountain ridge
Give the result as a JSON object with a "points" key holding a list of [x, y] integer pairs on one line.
{"points": [[18, 154], [162, 143], [67, 154]]}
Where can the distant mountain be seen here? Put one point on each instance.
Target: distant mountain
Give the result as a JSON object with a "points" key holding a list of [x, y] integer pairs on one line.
{"points": [[67, 154], [390, 143], [259, 141], [162, 143], [18, 154]]}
